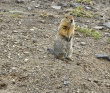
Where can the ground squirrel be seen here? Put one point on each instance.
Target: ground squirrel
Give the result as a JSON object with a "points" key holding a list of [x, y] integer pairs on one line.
{"points": [[64, 38]]}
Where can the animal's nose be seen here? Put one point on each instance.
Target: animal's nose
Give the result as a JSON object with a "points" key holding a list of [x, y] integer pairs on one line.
{"points": [[71, 21]]}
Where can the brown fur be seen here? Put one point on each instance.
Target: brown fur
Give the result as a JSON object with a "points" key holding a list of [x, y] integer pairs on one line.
{"points": [[63, 42]]}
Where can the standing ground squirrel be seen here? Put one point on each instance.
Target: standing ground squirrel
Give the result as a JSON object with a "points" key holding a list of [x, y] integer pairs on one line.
{"points": [[64, 38]]}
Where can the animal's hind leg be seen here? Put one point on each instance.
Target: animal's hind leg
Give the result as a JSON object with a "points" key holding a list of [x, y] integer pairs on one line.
{"points": [[69, 54]]}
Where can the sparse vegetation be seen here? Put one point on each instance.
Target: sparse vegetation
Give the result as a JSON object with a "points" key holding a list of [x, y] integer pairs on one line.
{"points": [[44, 14], [79, 11], [88, 32], [12, 13], [78, 1], [108, 41], [86, 1], [15, 15]]}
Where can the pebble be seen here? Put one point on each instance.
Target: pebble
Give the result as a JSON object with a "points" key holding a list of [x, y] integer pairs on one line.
{"points": [[62, 4], [74, 5], [89, 79], [107, 34], [13, 81], [66, 82], [96, 81], [14, 68], [36, 6], [20, 1], [101, 15], [89, 8], [87, 21], [83, 43], [15, 31], [26, 60], [42, 21], [98, 27], [107, 24], [29, 8], [68, 10], [32, 29], [56, 7]]}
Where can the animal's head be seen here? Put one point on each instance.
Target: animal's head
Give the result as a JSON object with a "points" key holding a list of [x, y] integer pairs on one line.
{"points": [[67, 20]]}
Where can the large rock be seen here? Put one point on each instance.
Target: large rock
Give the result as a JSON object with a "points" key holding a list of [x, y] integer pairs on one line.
{"points": [[107, 24], [75, 5]]}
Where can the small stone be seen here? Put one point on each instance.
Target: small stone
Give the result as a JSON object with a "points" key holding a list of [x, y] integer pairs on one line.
{"points": [[66, 82], [62, 4], [20, 1], [26, 60], [32, 29], [107, 34], [68, 10], [29, 8], [13, 81], [83, 43], [78, 64], [107, 24], [56, 7], [89, 79], [36, 6], [26, 52], [15, 31], [74, 5], [42, 21], [107, 85], [88, 8], [13, 68], [98, 27], [101, 15], [87, 21], [96, 81]]}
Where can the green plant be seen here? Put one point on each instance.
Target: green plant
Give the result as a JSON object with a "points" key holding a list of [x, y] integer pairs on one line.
{"points": [[88, 32], [79, 11], [108, 41], [78, 1], [15, 15], [88, 1]]}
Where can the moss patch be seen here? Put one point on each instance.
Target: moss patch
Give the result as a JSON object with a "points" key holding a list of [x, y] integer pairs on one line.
{"points": [[88, 32]]}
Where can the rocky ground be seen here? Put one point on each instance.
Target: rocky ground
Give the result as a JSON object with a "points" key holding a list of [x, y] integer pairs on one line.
{"points": [[25, 35]]}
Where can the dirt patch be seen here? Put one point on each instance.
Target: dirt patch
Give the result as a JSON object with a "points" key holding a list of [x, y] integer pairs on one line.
{"points": [[27, 67]]}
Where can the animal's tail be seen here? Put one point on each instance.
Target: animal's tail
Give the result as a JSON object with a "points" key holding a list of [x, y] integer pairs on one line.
{"points": [[50, 51]]}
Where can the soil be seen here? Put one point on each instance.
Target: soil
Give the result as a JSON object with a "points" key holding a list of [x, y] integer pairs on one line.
{"points": [[27, 67]]}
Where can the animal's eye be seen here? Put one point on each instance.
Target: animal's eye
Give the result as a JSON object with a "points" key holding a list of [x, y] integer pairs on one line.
{"points": [[66, 17]]}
